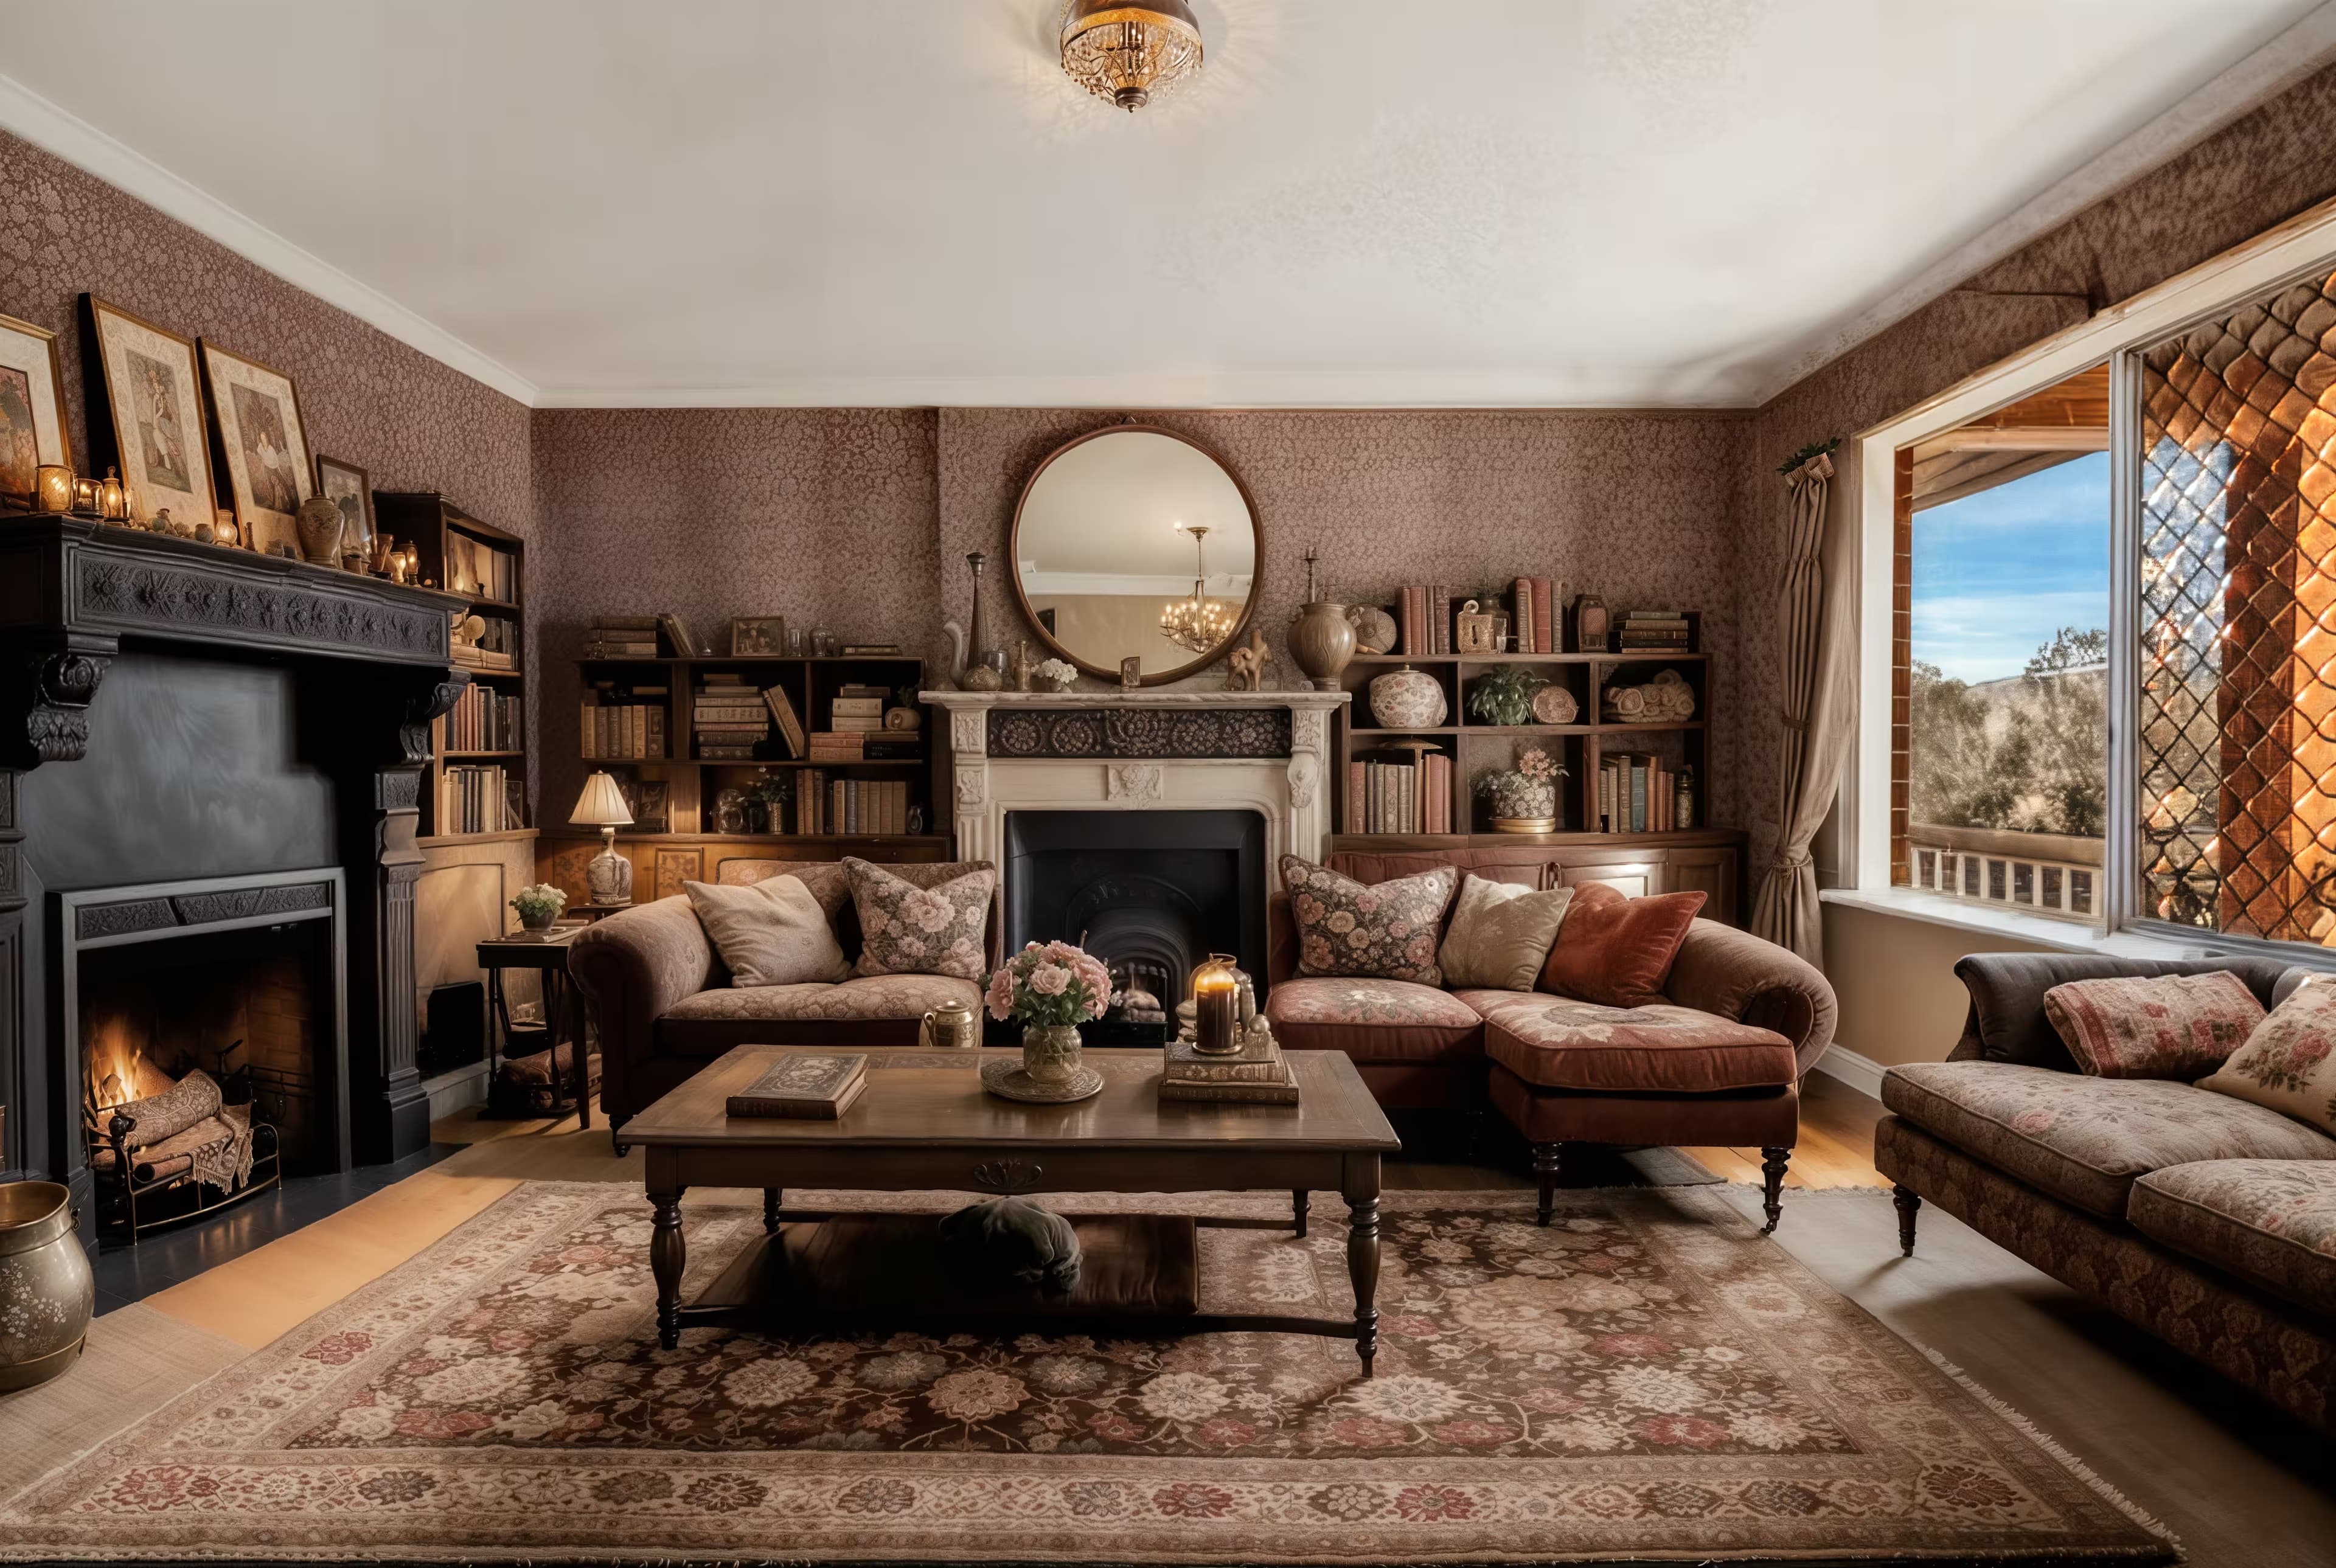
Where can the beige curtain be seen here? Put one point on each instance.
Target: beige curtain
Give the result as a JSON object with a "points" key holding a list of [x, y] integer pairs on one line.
{"points": [[1817, 628]]}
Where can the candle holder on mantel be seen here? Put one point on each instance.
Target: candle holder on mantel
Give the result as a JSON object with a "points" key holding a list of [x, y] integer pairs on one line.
{"points": [[1224, 1049]]}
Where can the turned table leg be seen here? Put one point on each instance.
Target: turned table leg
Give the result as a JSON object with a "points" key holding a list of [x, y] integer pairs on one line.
{"points": [[1300, 1200], [1908, 1201], [1545, 1158], [669, 1258], [1361, 1190], [771, 1199], [1772, 1186]]}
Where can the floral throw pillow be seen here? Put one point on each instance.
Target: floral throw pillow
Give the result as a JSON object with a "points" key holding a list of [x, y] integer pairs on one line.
{"points": [[1385, 932], [2289, 1064], [2154, 1027], [906, 930]]}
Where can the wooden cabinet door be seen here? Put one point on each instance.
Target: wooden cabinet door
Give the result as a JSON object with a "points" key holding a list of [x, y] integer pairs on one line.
{"points": [[1711, 872], [1633, 878]]}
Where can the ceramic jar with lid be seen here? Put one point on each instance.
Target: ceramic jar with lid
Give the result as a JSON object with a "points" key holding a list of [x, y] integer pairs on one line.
{"points": [[1407, 698]]}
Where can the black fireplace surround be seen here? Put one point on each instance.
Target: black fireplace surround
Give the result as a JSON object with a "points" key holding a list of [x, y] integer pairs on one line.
{"points": [[177, 713], [1149, 892]]}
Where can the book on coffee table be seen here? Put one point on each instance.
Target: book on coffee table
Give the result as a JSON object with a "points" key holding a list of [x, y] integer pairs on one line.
{"points": [[810, 1088]]}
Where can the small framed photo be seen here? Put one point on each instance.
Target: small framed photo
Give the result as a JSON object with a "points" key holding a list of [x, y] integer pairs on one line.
{"points": [[349, 487], [150, 422], [31, 409], [752, 634], [652, 809], [264, 446]]}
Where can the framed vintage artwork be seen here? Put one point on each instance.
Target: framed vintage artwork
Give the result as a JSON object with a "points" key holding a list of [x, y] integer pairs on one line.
{"points": [[652, 814], [674, 867], [150, 422], [32, 409], [758, 634], [349, 487], [264, 446]]}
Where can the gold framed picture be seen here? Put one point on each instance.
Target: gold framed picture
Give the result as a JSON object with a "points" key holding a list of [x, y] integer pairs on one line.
{"points": [[32, 409], [265, 450], [150, 422], [350, 488]]}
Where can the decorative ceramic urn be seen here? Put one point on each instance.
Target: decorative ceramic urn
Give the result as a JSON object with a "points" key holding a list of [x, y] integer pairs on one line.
{"points": [[320, 521], [1322, 643], [1407, 698], [46, 1292]]}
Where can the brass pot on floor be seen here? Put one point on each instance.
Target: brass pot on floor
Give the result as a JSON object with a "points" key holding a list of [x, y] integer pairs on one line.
{"points": [[46, 1292]]}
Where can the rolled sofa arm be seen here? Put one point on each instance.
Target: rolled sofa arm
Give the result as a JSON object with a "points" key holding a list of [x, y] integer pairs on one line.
{"points": [[1735, 975], [633, 967]]}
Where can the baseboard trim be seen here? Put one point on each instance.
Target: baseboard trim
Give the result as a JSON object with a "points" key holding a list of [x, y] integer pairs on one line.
{"points": [[1863, 1074]]}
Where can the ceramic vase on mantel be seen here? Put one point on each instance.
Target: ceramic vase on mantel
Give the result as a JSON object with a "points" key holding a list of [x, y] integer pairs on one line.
{"points": [[318, 522], [1051, 1052], [1322, 643]]}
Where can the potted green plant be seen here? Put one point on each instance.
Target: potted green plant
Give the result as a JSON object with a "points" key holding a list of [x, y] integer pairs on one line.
{"points": [[1523, 798], [1505, 696], [538, 906]]}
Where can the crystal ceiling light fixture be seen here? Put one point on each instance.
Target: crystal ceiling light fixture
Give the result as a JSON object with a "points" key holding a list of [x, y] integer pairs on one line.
{"points": [[1126, 54], [1200, 623]]}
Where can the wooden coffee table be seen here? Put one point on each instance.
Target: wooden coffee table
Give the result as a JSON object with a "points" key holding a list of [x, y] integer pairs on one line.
{"points": [[925, 1122]]}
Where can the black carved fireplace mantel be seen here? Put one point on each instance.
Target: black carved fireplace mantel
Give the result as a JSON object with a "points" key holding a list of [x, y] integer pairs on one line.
{"points": [[173, 709]]}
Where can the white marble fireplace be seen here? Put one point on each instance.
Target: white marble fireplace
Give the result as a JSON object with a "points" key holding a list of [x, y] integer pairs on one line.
{"points": [[1151, 750]]}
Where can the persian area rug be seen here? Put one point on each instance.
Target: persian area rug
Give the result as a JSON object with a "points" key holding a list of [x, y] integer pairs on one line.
{"points": [[1646, 1378]]}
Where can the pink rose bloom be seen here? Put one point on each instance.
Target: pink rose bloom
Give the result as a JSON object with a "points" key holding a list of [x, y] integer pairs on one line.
{"points": [[1001, 995], [1050, 979]]}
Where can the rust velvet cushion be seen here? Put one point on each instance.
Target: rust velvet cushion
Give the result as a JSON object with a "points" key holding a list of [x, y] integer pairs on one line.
{"points": [[1617, 951]]}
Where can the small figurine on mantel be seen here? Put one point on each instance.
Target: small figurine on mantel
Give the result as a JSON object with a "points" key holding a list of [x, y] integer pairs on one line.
{"points": [[1245, 666], [1131, 672], [1024, 665]]}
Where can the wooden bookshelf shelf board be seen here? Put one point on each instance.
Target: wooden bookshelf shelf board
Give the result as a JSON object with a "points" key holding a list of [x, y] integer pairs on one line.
{"points": [[447, 841]]}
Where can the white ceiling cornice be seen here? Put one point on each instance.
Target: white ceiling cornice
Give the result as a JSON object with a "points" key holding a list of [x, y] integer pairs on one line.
{"points": [[27, 114]]}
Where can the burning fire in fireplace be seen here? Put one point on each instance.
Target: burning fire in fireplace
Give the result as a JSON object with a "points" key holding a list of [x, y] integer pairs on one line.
{"points": [[117, 1068]]}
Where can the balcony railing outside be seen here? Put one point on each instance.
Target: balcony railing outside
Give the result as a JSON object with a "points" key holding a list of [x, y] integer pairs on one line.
{"points": [[2048, 874]]}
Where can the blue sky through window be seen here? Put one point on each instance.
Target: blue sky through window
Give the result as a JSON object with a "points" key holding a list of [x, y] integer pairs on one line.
{"points": [[1996, 574]]}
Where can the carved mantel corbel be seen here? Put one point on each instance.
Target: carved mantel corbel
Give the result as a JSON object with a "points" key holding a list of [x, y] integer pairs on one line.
{"points": [[49, 685]]}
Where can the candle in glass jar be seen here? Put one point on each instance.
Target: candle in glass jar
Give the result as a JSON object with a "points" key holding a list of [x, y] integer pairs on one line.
{"points": [[54, 488], [1215, 999], [84, 501]]}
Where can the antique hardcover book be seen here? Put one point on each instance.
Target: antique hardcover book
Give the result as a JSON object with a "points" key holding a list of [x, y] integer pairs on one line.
{"points": [[782, 709], [806, 1088], [1237, 1093]]}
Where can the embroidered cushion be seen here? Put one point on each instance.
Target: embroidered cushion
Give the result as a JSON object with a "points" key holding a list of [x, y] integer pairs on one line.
{"points": [[1561, 1044], [1375, 1020], [2155, 1027], [2289, 1063], [1387, 929], [773, 933], [2087, 1140], [1615, 951], [1500, 934], [907, 929]]}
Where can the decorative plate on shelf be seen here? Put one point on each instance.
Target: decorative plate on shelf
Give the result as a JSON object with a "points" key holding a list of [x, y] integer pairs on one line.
{"points": [[1005, 1078]]}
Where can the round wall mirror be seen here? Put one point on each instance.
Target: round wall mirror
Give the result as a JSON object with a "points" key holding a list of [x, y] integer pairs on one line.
{"points": [[1137, 542]]}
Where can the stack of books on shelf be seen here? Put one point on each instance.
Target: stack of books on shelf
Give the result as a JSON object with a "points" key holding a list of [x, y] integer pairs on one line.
{"points": [[1411, 797], [621, 725], [730, 716], [622, 637], [485, 720], [1637, 794], [470, 800], [783, 711], [845, 806], [856, 709], [497, 648], [1538, 621], [1653, 631]]}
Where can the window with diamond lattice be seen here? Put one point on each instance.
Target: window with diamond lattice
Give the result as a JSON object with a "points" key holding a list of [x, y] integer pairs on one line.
{"points": [[2237, 738]]}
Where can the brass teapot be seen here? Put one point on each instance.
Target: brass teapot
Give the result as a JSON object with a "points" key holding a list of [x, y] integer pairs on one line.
{"points": [[951, 1028]]}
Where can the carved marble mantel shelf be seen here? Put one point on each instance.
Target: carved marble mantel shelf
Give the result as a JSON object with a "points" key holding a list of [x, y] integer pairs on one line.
{"points": [[1150, 750]]}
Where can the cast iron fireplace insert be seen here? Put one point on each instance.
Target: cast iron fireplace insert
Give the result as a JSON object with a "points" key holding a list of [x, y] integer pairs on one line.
{"points": [[1151, 893]]}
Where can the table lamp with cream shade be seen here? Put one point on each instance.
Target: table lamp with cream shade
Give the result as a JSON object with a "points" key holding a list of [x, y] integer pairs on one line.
{"points": [[602, 806]]}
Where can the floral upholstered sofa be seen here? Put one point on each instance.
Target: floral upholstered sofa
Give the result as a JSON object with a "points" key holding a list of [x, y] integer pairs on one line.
{"points": [[663, 1005], [2206, 1220], [1559, 1070]]}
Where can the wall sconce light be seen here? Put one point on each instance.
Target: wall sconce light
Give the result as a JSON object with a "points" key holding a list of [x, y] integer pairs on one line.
{"points": [[53, 490]]}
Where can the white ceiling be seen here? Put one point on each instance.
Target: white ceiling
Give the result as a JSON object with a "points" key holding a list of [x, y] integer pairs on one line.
{"points": [[1578, 202]]}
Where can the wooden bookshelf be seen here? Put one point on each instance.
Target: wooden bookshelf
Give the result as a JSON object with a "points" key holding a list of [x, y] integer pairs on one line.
{"points": [[488, 566], [694, 784]]}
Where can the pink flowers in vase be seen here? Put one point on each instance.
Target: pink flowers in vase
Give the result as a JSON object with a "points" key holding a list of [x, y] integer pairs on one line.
{"points": [[1049, 983]]}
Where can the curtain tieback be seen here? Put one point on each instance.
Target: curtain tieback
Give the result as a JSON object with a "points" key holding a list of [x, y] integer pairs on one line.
{"points": [[1790, 861]]}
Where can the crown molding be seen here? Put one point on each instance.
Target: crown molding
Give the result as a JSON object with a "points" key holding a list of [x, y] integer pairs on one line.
{"points": [[27, 114], [1299, 391], [2246, 86]]}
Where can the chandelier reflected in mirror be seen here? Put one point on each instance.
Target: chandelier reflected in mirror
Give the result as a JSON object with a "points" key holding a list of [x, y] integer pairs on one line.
{"points": [[1199, 623], [1126, 54]]}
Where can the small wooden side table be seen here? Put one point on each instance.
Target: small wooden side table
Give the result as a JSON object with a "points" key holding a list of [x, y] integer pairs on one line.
{"points": [[563, 1004]]}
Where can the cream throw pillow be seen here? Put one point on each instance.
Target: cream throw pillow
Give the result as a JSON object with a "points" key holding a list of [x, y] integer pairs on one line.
{"points": [[772, 933], [2288, 1064], [1500, 935]]}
